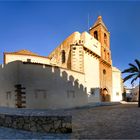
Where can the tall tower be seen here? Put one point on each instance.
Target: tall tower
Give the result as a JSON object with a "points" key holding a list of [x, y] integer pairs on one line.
{"points": [[101, 33]]}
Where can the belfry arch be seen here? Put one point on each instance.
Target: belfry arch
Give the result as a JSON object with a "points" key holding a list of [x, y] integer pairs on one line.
{"points": [[96, 35]]}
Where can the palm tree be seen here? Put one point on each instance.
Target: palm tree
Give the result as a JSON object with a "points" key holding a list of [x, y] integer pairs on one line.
{"points": [[134, 73]]}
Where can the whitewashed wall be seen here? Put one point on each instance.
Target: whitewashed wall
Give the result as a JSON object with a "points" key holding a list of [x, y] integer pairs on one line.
{"points": [[51, 87], [117, 85], [8, 78], [92, 77], [91, 43], [91, 67], [34, 59]]}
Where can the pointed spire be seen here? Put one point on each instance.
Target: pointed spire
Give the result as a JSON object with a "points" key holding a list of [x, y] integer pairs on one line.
{"points": [[98, 22]]}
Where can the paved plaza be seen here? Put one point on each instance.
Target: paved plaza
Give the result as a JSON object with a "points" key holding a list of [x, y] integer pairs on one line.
{"points": [[106, 122]]}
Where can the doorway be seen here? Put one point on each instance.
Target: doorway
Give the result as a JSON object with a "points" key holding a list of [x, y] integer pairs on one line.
{"points": [[105, 97]]}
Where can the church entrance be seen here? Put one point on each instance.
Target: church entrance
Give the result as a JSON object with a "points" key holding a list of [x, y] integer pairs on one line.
{"points": [[105, 97]]}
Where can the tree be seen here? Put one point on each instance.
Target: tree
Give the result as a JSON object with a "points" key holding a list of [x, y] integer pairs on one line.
{"points": [[134, 74]]}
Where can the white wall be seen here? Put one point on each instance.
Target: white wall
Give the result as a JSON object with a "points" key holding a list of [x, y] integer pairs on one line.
{"points": [[46, 86], [8, 79], [117, 85], [92, 77], [91, 43], [58, 85], [34, 59], [91, 66]]}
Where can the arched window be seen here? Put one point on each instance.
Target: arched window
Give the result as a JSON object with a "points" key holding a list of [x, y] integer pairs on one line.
{"points": [[63, 56], [96, 35], [108, 56], [105, 38], [104, 71]]}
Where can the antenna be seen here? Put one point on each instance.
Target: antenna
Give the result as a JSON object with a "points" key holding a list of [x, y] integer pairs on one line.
{"points": [[88, 21]]}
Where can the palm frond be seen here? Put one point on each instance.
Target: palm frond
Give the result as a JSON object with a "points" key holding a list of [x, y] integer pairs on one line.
{"points": [[133, 66], [133, 70], [138, 63], [134, 79], [129, 70], [128, 77]]}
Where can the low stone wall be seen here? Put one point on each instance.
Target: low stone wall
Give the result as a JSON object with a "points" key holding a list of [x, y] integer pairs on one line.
{"points": [[50, 124]]}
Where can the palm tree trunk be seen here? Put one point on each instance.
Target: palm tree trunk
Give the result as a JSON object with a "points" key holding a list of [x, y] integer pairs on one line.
{"points": [[139, 94]]}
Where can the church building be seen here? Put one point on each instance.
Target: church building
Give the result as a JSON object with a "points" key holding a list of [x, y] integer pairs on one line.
{"points": [[78, 72]]}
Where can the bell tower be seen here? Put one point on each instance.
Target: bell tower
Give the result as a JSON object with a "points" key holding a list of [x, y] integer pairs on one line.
{"points": [[100, 32]]}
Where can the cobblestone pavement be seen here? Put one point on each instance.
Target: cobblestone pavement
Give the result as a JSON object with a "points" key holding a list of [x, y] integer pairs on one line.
{"points": [[108, 122]]}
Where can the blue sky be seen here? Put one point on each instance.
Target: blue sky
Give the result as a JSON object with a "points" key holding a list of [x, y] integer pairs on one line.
{"points": [[42, 26]]}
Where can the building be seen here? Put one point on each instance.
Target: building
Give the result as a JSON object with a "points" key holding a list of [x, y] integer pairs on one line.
{"points": [[128, 92], [79, 71], [135, 93]]}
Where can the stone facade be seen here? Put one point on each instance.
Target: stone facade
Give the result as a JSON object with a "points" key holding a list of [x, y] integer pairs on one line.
{"points": [[50, 124]]}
